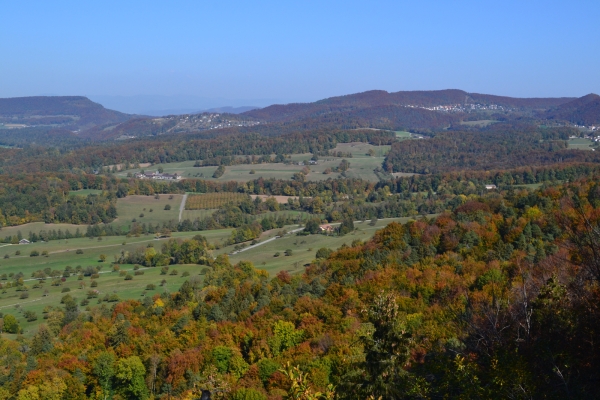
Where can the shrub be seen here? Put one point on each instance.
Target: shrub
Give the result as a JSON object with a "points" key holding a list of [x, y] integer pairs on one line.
{"points": [[10, 324], [34, 253], [24, 295], [128, 277], [167, 207], [138, 273], [30, 315], [150, 286], [248, 394], [164, 270], [122, 273], [136, 267], [323, 252], [78, 251], [266, 368], [94, 284], [18, 253], [65, 290], [288, 252], [174, 272], [6, 256], [186, 273]]}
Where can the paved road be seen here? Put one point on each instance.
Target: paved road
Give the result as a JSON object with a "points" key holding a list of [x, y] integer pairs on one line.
{"points": [[182, 206]]}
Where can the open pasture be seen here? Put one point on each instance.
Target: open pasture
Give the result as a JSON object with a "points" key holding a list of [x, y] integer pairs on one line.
{"points": [[138, 208], [64, 252], [361, 166], [401, 135], [580, 144]]}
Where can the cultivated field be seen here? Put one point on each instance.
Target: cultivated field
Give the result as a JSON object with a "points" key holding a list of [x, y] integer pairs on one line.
{"points": [[207, 201]]}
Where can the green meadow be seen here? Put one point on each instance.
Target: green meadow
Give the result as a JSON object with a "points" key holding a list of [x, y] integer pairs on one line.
{"points": [[361, 166]]}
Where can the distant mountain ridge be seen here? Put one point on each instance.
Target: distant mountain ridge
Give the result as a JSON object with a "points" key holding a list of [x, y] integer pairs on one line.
{"points": [[68, 112], [378, 98], [582, 111], [56, 117]]}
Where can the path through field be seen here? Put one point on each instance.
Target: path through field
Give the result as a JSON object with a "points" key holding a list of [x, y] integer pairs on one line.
{"points": [[182, 206], [265, 242]]}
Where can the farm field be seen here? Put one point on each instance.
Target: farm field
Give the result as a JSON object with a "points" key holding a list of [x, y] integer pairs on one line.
{"points": [[63, 252], [131, 207], [207, 201], [361, 166], [581, 144]]}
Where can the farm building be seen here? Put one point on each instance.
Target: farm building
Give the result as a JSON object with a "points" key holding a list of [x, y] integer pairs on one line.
{"points": [[326, 228], [159, 176], [24, 241]]}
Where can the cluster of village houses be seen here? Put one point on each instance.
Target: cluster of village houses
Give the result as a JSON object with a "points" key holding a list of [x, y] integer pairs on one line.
{"points": [[157, 175]]}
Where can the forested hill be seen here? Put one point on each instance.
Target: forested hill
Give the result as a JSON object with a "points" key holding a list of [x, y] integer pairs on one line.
{"points": [[582, 111], [378, 98], [70, 112]]}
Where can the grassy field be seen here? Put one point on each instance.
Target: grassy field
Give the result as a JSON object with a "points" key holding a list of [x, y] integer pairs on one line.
{"points": [[128, 208], [131, 207], [62, 253], [403, 134], [361, 166], [580, 144]]}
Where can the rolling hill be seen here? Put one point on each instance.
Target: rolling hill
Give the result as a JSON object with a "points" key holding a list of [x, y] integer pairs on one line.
{"points": [[582, 111], [67, 112], [378, 98]]}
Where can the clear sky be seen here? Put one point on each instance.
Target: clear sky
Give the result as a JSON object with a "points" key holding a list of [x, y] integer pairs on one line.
{"points": [[298, 50]]}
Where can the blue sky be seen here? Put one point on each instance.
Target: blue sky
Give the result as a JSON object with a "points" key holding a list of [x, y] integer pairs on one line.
{"points": [[298, 50]]}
